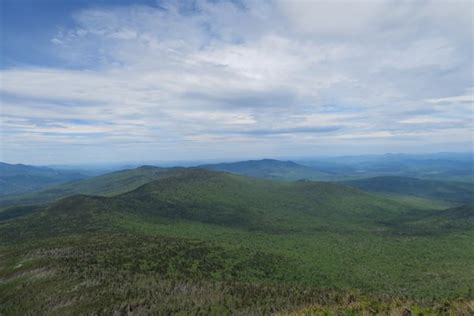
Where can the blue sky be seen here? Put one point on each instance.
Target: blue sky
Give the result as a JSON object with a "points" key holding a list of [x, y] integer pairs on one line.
{"points": [[97, 81]]}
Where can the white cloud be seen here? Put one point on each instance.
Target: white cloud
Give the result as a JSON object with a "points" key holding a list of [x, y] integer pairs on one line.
{"points": [[468, 98], [372, 69], [333, 18]]}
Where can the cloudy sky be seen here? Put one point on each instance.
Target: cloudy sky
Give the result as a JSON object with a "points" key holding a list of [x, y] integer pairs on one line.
{"points": [[92, 81]]}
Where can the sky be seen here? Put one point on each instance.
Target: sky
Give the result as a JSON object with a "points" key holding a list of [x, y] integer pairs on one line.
{"points": [[107, 80]]}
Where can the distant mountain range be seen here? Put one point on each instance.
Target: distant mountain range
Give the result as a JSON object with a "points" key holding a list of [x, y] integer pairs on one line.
{"points": [[105, 185], [271, 169], [438, 166], [433, 189], [21, 178], [125, 180]]}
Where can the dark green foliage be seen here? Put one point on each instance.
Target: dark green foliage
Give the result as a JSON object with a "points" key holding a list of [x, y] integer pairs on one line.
{"points": [[457, 219], [17, 211], [254, 204]]}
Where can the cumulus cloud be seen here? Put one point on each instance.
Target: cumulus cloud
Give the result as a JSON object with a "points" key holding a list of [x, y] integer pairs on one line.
{"points": [[200, 79]]}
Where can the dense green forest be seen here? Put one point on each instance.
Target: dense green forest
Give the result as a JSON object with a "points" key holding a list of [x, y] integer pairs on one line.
{"points": [[193, 241]]}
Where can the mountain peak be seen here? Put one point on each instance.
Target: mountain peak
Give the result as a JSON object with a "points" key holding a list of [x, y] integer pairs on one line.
{"points": [[148, 167], [270, 168]]}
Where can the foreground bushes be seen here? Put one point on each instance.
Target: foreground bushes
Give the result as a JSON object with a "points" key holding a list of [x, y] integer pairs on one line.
{"points": [[133, 274]]}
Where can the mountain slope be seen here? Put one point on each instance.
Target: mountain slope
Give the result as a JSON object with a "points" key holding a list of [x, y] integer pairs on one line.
{"points": [[460, 218], [228, 200], [21, 178], [270, 168], [433, 189], [104, 185], [199, 241]]}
